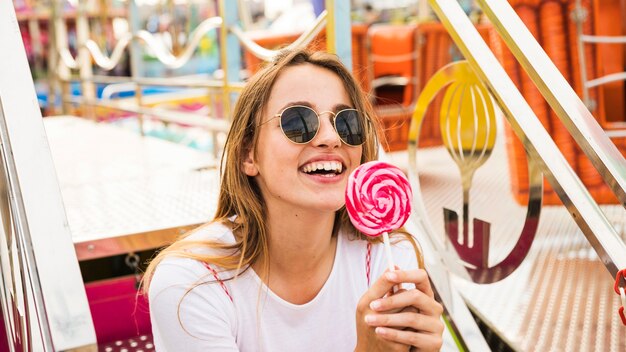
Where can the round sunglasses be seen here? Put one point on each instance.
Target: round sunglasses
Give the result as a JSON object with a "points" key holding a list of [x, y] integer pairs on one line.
{"points": [[300, 124]]}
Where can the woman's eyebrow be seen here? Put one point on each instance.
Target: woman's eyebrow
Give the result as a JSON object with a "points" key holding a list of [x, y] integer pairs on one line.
{"points": [[292, 103], [340, 107], [336, 108]]}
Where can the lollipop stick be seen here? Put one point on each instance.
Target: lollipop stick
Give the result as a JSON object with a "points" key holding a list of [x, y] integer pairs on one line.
{"points": [[390, 264], [392, 267]]}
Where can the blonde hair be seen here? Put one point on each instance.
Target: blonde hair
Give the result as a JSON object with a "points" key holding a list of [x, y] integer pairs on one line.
{"points": [[239, 195]]}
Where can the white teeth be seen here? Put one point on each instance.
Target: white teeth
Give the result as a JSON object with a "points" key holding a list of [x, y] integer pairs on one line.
{"points": [[325, 165]]}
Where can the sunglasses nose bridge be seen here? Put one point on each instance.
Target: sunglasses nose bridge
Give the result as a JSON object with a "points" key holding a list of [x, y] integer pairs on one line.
{"points": [[322, 131], [332, 114]]}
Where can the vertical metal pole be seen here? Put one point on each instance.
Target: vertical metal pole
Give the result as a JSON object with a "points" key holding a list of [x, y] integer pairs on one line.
{"points": [[59, 72], [84, 59], [579, 16], [172, 28], [244, 15], [230, 51], [339, 31], [424, 13], [53, 60], [35, 35], [136, 57], [103, 20]]}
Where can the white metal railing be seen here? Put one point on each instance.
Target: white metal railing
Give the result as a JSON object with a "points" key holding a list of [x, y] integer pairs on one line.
{"points": [[579, 16], [163, 54], [128, 41], [266, 54], [43, 297], [132, 41]]}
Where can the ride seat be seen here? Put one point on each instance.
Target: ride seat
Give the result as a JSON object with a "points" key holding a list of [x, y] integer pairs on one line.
{"points": [[120, 315], [392, 63], [392, 75]]}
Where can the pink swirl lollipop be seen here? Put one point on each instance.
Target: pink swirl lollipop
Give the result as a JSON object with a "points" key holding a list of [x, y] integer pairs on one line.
{"points": [[378, 200]]}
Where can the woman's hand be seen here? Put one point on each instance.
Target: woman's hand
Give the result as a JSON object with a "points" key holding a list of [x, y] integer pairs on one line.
{"points": [[407, 319], [367, 338]]}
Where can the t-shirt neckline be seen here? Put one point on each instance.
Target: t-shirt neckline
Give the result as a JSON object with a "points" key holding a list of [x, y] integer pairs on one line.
{"points": [[317, 297]]}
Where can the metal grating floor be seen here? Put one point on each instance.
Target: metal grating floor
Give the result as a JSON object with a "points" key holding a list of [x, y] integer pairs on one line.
{"points": [[124, 193], [561, 298], [135, 206]]}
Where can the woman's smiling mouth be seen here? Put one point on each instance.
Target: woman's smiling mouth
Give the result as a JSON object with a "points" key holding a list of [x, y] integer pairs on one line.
{"points": [[327, 168]]}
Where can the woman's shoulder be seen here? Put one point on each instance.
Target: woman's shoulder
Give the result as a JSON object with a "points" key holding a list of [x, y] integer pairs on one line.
{"points": [[185, 267], [185, 297], [214, 231]]}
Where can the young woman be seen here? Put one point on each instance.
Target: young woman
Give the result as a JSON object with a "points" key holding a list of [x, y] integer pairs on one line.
{"points": [[281, 268]]}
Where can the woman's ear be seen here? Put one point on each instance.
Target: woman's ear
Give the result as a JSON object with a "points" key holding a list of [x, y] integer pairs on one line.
{"points": [[249, 166]]}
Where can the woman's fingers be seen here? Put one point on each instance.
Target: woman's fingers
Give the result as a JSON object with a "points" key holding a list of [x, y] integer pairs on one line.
{"points": [[419, 277], [389, 279], [379, 288], [406, 319], [415, 298], [421, 341]]}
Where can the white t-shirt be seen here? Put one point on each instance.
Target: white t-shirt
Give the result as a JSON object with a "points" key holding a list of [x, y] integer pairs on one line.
{"points": [[206, 319]]}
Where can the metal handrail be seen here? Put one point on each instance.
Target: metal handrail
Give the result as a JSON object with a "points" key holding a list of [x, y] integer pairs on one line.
{"points": [[210, 123], [580, 15], [131, 41], [89, 50], [107, 63], [16, 232], [579, 121], [603, 39], [561, 97], [50, 305], [166, 57], [613, 77], [267, 54], [164, 82]]}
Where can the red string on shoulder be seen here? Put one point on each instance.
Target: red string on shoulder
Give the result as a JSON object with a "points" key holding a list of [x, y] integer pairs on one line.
{"points": [[368, 259], [217, 278]]}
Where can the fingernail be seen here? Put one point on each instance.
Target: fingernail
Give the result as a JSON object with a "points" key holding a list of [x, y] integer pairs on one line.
{"points": [[381, 331], [375, 305], [391, 276], [369, 318]]}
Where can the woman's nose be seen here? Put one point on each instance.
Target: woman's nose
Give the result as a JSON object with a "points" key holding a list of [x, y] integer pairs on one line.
{"points": [[327, 136]]}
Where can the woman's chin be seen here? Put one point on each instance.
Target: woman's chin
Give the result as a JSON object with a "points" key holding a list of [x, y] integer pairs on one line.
{"points": [[335, 206]]}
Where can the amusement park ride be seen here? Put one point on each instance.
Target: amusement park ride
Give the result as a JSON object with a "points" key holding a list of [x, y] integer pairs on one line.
{"points": [[475, 113]]}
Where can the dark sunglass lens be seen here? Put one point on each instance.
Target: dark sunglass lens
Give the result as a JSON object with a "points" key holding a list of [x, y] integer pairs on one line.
{"points": [[349, 126], [299, 123]]}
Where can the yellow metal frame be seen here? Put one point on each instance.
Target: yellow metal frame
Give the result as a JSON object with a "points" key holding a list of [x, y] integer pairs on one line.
{"points": [[331, 43]]}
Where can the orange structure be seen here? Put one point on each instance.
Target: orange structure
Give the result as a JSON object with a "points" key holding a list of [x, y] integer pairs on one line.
{"points": [[393, 77], [552, 24]]}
